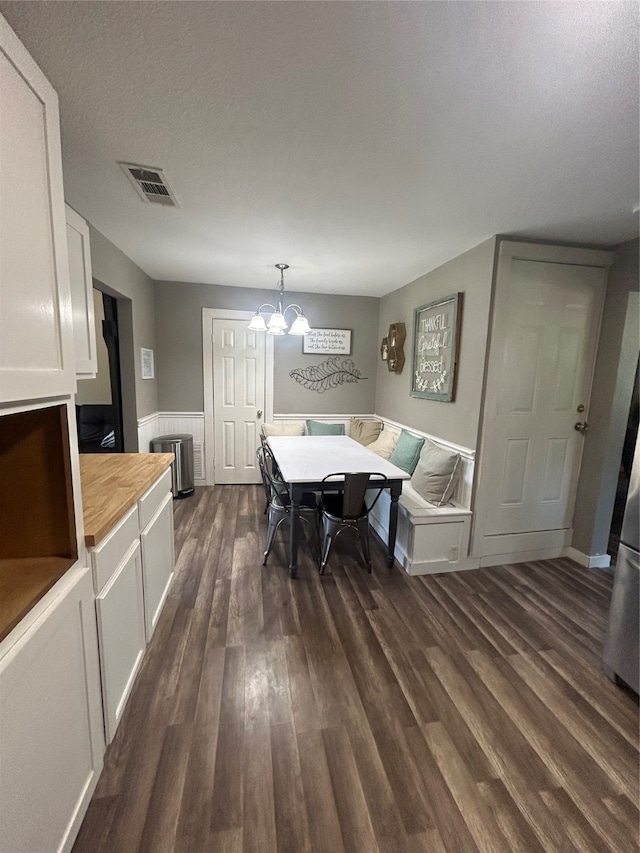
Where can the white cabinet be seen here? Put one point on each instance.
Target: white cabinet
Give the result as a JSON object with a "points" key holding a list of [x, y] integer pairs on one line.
{"points": [[84, 330], [51, 722], [52, 741], [36, 336], [120, 609], [132, 571], [157, 561]]}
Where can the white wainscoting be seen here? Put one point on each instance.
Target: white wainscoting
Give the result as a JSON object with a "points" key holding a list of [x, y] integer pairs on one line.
{"points": [[176, 423]]}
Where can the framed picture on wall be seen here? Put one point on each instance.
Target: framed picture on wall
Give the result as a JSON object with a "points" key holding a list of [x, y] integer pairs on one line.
{"points": [[327, 342], [436, 338], [147, 370]]}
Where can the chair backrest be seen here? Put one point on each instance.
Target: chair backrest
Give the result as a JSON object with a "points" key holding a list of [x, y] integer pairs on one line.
{"points": [[356, 486], [262, 465], [271, 475]]}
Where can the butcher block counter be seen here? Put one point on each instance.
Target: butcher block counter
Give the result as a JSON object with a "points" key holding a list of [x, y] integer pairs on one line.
{"points": [[111, 485]]}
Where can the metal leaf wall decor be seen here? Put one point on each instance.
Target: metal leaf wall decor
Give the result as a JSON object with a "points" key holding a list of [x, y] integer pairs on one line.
{"points": [[326, 375]]}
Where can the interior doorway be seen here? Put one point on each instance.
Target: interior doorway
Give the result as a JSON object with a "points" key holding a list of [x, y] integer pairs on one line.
{"points": [[231, 442], [99, 400], [544, 333]]}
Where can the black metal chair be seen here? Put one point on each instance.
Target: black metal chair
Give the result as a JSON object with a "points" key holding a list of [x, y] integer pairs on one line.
{"points": [[279, 500], [349, 509], [262, 463]]}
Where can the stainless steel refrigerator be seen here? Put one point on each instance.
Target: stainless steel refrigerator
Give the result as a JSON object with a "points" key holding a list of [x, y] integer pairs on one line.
{"points": [[620, 658]]}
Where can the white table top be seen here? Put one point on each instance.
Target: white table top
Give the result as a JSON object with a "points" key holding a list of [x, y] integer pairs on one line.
{"points": [[309, 458]]}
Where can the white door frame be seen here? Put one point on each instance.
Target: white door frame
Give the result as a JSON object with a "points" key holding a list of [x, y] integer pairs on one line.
{"points": [[208, 315]]}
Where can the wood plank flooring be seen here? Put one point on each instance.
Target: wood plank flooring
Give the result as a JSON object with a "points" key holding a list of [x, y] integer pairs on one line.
{"points": [[361, 713]]}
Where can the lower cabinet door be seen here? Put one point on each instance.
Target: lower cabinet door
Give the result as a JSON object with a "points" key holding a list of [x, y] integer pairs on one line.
{"points": [[51, 736], [120, 610], [157, 561]]}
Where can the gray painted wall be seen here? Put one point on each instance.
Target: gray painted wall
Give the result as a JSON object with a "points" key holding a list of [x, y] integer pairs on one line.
{"points": [[471, 274], [609, 408], [178, 308], [114, 273]]}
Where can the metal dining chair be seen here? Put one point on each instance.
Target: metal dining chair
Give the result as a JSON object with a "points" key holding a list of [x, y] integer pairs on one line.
{"points": [[262, 464], [279, 500], [349, 510]]}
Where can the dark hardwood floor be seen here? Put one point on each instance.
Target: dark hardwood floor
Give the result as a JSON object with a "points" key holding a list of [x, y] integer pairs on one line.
{"points": [[355, 712]]}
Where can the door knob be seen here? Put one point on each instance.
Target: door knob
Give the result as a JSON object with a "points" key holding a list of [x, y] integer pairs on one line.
{"points": [[259, 413], [581, 427]]}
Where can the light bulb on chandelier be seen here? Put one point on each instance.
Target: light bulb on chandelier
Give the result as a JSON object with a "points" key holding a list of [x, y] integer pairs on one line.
{"points": [[277, 324]]}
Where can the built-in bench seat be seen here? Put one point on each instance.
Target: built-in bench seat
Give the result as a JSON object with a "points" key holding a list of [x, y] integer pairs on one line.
{"points": [[430, 539]]}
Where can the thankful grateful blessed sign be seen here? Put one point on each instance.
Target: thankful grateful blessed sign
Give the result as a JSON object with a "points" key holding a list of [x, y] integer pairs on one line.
{"points": [[435, 349], [327, 342]]}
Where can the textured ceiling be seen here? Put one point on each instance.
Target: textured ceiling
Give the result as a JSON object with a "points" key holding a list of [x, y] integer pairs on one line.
{"points": [[364, 143]]}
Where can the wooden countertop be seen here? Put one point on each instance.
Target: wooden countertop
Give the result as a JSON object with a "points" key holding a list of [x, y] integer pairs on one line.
{"points": [[111, 485]]}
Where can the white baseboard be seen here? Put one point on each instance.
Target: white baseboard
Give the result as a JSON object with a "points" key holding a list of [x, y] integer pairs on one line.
{"points": [[589, 561]]}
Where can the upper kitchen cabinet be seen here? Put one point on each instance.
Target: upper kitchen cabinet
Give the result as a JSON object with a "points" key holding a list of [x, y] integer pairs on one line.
{"points": [[36, 323], [84, 330]]}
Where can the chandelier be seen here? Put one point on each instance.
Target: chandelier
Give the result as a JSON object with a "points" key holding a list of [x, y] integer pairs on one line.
{"points": [[277, 325]]}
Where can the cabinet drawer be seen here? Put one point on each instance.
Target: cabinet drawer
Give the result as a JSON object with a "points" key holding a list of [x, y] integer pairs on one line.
{"points": [[106, 556], [153, 497]]}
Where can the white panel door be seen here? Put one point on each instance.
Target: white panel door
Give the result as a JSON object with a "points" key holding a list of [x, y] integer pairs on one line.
{"points": [[36, 336], [546, 332], [238, 400]]}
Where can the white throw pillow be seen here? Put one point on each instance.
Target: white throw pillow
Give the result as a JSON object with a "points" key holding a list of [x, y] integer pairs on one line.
{"points": [[291, 428], [384, 443], [436, 473]]}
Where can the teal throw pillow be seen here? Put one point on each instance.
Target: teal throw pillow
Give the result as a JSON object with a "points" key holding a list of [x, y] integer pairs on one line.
{"points": [[320, 428], [407, 451]]}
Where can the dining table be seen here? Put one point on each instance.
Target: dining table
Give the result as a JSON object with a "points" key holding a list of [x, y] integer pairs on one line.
{"points": [[304, 461]]}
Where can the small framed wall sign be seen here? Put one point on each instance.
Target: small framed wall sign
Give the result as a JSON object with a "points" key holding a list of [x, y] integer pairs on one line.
{"points": [[327, 342], [436, 338], [146, 362]]}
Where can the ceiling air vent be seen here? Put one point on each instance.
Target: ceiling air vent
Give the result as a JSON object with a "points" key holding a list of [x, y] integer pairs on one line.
{"points": [[150, 184]]}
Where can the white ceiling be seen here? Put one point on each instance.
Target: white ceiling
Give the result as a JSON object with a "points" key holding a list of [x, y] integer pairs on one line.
{"points": [[363, 143]]}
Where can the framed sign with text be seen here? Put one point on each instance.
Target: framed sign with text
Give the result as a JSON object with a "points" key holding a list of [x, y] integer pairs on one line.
{"points": [[147, 370], [327, 342], [436, 338]]}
